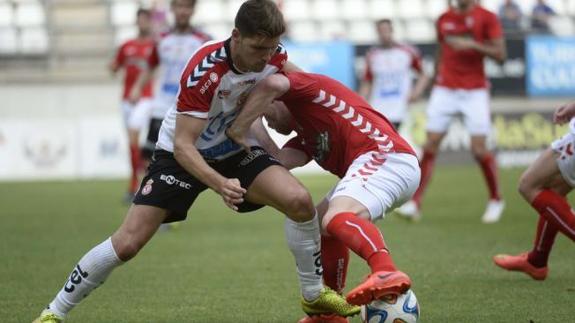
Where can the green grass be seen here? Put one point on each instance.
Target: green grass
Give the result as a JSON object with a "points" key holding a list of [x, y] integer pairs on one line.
{"points": [[226, 267]]}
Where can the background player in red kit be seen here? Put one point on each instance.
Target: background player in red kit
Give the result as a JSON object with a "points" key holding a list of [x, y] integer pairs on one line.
{"points": [[545, 185], [378, 169], [136, 57], [466, 34]]}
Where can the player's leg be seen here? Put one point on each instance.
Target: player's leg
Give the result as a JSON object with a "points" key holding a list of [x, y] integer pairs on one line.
{"points": [[95, 266], [442, 107], [477, 118], [303, 236], [139, 116], [359, 199], [542, 175]]}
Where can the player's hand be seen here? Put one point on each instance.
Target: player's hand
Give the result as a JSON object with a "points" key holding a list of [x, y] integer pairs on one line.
{"points": [[232, 193], [564, 113], [238, 136], [460, 43], [134, 95]]}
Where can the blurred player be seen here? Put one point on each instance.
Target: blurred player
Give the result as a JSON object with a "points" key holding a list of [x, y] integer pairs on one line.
{"points": [[136, 57], [466, 33], [387, 82], [545, 185], [194, 154], [173, 51], [378, 171]]}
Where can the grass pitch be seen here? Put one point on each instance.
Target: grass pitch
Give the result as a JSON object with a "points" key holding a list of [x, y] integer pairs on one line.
{"points": [[220, 266]]}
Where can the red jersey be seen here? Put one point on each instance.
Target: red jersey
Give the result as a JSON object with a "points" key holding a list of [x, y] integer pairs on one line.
{"points": [[335, 125], [135, 56], [463, 69]]}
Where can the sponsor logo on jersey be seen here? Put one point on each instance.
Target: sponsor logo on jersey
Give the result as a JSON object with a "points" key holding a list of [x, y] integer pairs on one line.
{"points": [[247, 82], [171, 180], [147, 189]]}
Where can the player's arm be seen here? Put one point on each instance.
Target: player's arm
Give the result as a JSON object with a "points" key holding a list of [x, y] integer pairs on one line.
{"points": [[259, 130], [292, 158], [145, 75], [421, 84], [564, 113], [117, 62], [188, 129], [366, 84], [492, 48], [263, 94]]}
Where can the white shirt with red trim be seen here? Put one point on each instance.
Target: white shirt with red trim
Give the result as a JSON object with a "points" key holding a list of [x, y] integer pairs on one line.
{"points": [[173, 52], [212, 89], [391, 72]]}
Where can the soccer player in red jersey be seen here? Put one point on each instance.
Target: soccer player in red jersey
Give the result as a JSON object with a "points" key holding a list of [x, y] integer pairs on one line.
{"points": [[136, 57], [545, 185], [466, 34], [193, 154], [378, 170]]}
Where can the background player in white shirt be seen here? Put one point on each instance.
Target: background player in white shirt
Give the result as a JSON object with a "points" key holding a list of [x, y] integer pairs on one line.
{"points": [[184, 165], [545, 185], [388, 80], [172, 53]]}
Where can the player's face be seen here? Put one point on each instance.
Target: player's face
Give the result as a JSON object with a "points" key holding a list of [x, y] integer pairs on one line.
{"points": [[464, 3], [385, 33], [253, 53], [182, 10], [279, 118], [144, 23]]}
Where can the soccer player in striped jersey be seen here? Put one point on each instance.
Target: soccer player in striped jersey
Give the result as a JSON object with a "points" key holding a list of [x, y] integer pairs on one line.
{"points": [[545, 185], [378, 170], [193, 154]]}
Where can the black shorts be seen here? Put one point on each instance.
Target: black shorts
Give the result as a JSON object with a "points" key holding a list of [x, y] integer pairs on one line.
{"points": [[169, 186], [151, 138]]}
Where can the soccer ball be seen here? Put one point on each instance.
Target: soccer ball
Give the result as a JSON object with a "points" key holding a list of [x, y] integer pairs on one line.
{"points": [[393, 309]]}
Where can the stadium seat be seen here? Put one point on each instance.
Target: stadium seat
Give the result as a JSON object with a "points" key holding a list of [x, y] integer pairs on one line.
{"points": [[562, 25], [378, 9], [8, 41], [570, 7], [6, 14], [354, 9], [362, 32], [435, 8], [558, 6], [493, 5], [325, 9], [296, 10], [124, 33], [399, 30], [331, 30], [34, 40], [410, 9], [30, 14], [220, 30], [124, 13], [420, 30], [305, 31], [232, 7], [209, 11]]}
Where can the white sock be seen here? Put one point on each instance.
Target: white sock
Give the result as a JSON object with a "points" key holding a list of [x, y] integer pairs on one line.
{"points": [[304, 242], [88, 274]]}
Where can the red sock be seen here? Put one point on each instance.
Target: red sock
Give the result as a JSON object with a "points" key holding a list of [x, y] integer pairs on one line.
{"points": [[557, 211], [427, 163], [135, 164], [489, 169], [364, 238], [334, 259], [544, 239]]}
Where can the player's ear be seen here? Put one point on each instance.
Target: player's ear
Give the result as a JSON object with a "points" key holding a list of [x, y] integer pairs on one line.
{"points": [[236, 35]]}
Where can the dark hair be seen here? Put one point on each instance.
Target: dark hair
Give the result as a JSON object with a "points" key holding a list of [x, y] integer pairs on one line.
{"points": [[142, 11], [192, 3], [384, 21], [260, 17]]}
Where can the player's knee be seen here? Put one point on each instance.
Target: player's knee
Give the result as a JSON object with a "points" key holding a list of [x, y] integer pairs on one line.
{"points": [[526, 187], [127, 249], [431, 145], [479, 152], [299, 206]]}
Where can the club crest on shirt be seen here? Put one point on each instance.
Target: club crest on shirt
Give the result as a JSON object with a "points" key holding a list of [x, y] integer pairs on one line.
{"points": [[147, 189]]}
